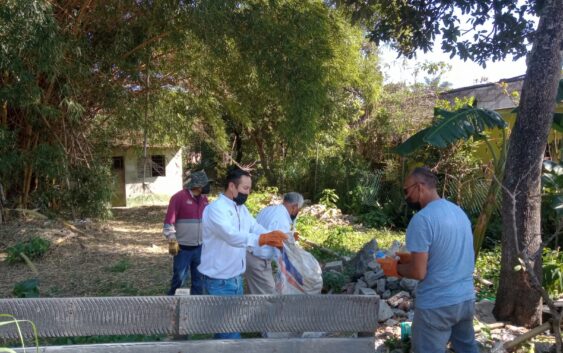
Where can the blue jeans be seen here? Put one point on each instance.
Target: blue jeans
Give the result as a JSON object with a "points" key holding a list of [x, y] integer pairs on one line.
{"points": [[433, 328], [186, 263], [224, 287]]}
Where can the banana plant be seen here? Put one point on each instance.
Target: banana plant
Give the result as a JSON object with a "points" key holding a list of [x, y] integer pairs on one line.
{"points": [[552, 184], [462, 124]]}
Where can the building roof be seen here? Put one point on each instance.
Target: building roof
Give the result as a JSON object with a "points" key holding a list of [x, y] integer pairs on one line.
{"points": [[493, 96], [135, 140]]}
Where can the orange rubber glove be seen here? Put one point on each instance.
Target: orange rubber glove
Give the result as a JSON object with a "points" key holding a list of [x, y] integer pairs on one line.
{"points": [[173, 248], [389, 266], [274, 238], [404, 257]]}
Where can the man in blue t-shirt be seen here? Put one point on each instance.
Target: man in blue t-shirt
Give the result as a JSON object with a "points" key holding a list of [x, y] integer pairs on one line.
{"points": [[440, 241]]}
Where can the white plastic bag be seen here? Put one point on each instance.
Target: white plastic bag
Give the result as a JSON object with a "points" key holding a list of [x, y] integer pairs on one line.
{"points": [[298, 272]]}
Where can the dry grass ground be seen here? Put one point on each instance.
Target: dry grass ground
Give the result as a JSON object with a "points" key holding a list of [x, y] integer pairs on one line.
{"points": [[123, 256]]}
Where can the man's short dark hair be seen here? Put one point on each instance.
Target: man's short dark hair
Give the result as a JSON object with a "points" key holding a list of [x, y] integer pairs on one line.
{"points": [[425, 176], [234, 174]]}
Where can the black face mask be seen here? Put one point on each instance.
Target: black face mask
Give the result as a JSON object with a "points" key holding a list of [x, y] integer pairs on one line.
{"points": [[293, 217], [240, 199], [413, 205], [206, 189]]}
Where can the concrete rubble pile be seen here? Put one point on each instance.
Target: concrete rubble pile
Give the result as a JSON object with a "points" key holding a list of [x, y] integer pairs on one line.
{"points": [[397, 303]]}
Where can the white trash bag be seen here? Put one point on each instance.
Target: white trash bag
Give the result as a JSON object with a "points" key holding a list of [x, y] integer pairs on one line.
{"points": [[298, 272]]}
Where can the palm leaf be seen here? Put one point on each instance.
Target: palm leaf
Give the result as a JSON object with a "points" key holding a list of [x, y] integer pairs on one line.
{"points": [[451, 127], [412, 143], [472, 195], [461, 124]]}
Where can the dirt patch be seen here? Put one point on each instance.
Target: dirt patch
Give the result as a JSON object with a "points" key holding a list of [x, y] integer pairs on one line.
{"points": [[126, 255]]}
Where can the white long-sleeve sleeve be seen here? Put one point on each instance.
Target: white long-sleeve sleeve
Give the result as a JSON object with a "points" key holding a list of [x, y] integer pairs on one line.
{"points": [[272, 218], [228, 230]]}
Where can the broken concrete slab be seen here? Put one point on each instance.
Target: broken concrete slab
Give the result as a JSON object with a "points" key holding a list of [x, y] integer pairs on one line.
{"points": [[337, 266], [371, 278], [380, 286], [385, 312], [374, 266], [398, 298], [408, 284], [359, 263], [368, 291]]}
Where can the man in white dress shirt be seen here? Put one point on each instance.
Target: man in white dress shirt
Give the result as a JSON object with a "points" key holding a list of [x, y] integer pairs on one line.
{"points": [[258, 275], [228, 230]]}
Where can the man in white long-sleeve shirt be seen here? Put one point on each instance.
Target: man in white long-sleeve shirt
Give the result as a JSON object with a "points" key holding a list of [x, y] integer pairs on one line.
{"points": [[258, 275], [228, 230]]}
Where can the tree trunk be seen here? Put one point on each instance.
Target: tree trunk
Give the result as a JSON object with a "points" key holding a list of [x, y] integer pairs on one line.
{"points": [[238, 146], [516, 300], [265, 161]]}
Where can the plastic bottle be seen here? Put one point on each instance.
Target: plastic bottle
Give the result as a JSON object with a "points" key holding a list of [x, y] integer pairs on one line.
{"points": [[405, 331], [379, 254], [395, 246], [404, 255]]}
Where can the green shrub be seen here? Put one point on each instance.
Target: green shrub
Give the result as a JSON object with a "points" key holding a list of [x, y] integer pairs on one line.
{"points": [[552, 201], [329, 198], [334, 281], [343, 239], [33, 248], [488, 267], [375, 218], [27, 289], [260, 199], [553, 271]]}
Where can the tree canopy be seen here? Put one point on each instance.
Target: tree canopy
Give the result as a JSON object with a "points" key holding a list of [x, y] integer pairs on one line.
{"points": [[266, 76]]}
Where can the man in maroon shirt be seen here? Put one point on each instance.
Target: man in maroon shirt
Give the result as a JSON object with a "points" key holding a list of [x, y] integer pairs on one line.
{"points": [[182, 229]]}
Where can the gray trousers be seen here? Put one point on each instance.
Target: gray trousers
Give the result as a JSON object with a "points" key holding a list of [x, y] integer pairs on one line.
{"points": [[432, 329], [258, 275]]}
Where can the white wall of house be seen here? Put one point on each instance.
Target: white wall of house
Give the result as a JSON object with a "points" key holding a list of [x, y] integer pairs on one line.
{"points": [[160, 188]]}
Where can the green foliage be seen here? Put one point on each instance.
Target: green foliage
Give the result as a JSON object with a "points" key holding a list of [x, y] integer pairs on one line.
{"points": [[345, 240], [375, 218], [90, 191], [411, 25], [450, 127], [102, 339], [487, 267], [7, 319], [552, 199], [120, 266], [552, 183], [27, 289], [395, 344], [553, 272], [270, 79], [329, 198], [34, 248], [299, 72], [334, 281], [11, 160], [258, 200]]}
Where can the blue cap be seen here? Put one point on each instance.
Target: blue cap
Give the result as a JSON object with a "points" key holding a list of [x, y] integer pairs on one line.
{"points": [[379, 254]]}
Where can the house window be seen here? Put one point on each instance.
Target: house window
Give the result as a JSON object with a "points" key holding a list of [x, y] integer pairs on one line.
{"points": [[117, 163], [156, 166]]}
